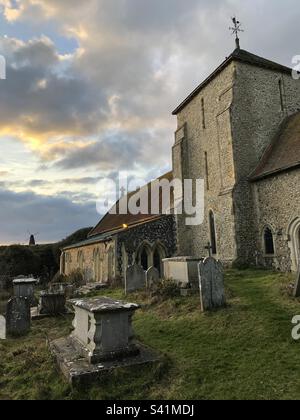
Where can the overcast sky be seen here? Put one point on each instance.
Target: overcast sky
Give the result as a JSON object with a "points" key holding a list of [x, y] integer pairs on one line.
{"points": [[90, 89]]}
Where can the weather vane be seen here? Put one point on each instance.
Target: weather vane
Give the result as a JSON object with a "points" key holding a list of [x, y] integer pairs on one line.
{"points": [[235, 31]]}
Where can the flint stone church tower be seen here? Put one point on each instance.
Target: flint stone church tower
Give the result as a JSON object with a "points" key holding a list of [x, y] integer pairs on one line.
{"points": [[240, 132]]}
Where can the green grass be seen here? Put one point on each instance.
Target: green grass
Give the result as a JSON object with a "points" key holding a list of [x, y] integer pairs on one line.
{"points": [[244, 351]]}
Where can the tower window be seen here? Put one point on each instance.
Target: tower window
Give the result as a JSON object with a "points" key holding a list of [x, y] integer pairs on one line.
{"points": [[269, 242], [212, 226], [206, 171], [281, 94], [203, 113]]}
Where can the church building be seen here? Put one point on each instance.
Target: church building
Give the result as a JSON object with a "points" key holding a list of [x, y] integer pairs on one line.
{"points": [[239, 130]]}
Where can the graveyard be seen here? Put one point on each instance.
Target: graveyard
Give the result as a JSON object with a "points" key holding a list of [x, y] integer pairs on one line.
{"points": [[226, 353]]}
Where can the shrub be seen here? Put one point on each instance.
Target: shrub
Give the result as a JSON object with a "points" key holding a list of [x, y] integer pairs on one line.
{"points": [[166, 289], [240, 264], [76, 278]]}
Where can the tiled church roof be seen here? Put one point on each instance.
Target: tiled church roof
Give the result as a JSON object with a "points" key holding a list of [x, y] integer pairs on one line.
{"points": [[115, 222], [237, 55], [284, 151]]}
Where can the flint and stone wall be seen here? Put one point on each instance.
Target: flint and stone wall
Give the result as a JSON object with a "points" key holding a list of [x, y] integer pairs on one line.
{"points": [[278, 203], [107, 261], [229, 124], [204, 134], [259, 108], [159, 234]]}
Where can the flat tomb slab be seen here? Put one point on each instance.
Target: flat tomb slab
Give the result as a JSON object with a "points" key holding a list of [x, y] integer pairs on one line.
{"points": [[77, 369], [25, 281], [103, 304]]}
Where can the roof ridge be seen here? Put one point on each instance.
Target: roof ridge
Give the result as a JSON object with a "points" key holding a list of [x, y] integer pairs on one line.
{"points": [[116, 221], [239, 55]]}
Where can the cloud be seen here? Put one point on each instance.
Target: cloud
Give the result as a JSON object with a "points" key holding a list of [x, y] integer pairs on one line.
{"points": [[107, 104], [52, 217], [70, 181], [40, 102]]}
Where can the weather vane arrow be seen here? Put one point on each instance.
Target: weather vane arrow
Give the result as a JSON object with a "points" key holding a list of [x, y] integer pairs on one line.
{"points": [[236, 28]]}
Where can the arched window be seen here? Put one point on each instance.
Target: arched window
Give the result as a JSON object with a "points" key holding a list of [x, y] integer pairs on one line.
{"points": [[212, 227], [80, 259], [96, 256], [159, 253], [144, 256], [144, 259], [269, 241], [157, 260], [111, 264]]}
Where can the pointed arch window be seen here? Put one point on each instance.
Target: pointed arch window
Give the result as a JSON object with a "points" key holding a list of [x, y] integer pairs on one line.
{"points": [[203, 114], [269, 241], [281, 93], [212, 227], [144, 259]]}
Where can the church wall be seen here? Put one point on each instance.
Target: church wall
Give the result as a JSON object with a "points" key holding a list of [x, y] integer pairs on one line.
{"points": [[161, 232], [202, 138], [258, 110], [278, 201], [96, 266]]}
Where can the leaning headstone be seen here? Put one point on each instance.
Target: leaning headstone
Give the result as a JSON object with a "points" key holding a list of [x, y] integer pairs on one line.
{"points": [[152, 277], [135, 279], [297, 285], [18, 316], [2, 328], [52, 303], [211, 282]]}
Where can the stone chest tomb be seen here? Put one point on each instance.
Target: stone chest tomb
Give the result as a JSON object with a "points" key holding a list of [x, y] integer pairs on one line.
{"points": [[52, 303], [102, 328], [102, 341], [183, 270]]}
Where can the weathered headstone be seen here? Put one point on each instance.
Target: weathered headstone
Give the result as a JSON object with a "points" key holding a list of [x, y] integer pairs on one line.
{"points": [[52, 303], [25, 287], [297, 285], [135, 279], [2, 328], [152, 277], [18, 316], [211, 282]]}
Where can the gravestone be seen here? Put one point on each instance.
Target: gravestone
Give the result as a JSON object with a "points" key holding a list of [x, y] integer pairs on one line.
{"points": [[135, 279], [152, 277], [25, 287], [2, 328], [211, 282], [297, 285], [18, 316], [52, 303]]}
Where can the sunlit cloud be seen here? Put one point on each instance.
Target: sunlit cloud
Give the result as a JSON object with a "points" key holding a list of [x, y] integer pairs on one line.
{"points": [[105, 104]]}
